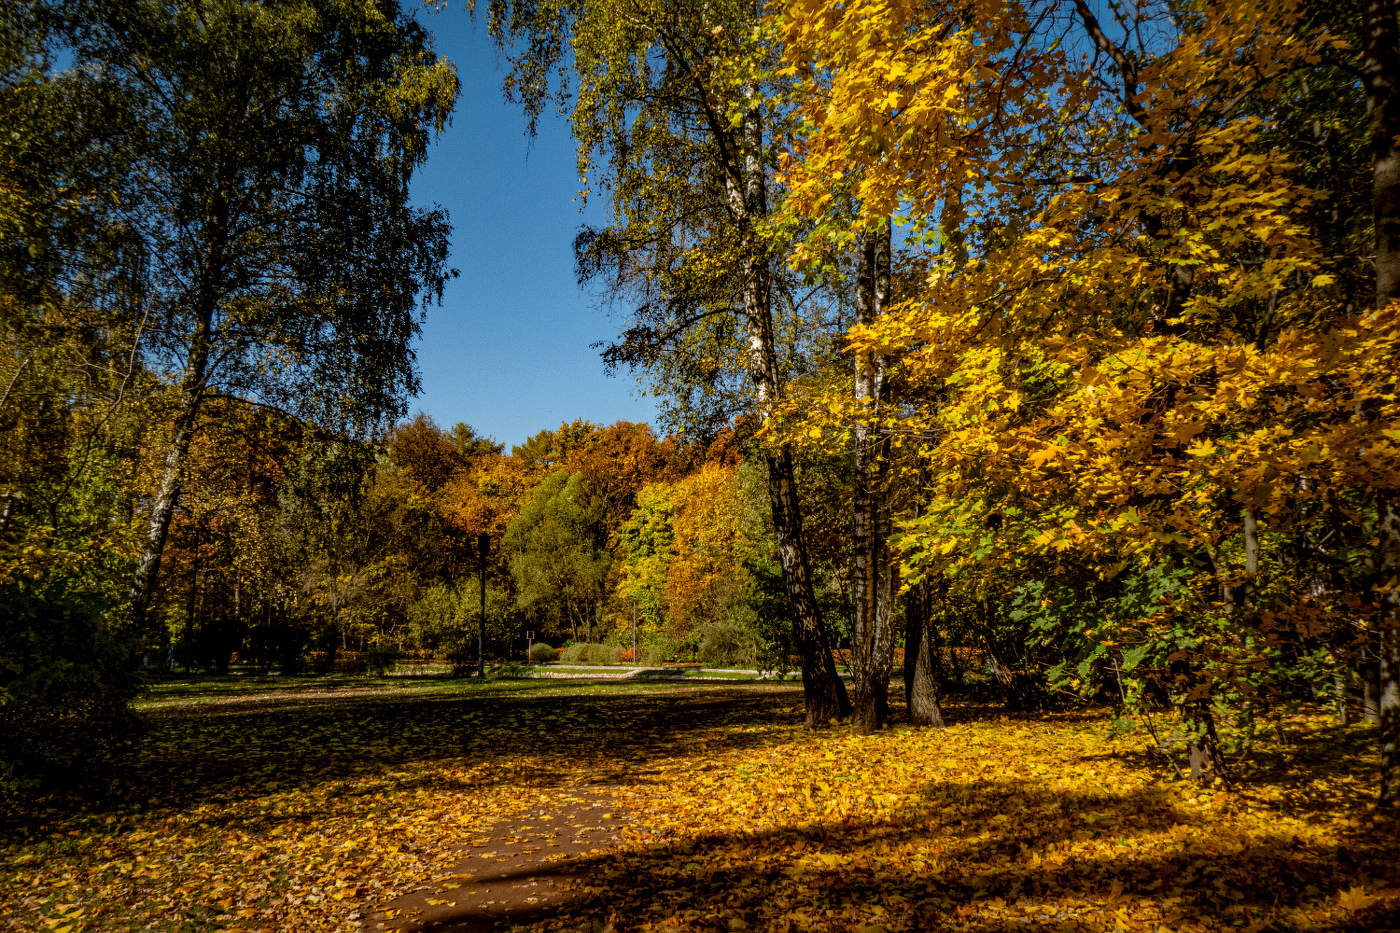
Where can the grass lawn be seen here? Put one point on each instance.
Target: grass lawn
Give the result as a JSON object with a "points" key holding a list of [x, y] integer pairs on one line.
{"points": [[643, 672], [307, 803]]}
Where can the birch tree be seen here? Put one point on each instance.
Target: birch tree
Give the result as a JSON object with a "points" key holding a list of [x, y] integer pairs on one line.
{"points": [[266, 150], [674, 122]]}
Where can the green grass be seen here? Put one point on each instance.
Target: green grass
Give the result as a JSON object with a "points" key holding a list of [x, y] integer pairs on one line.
{"points": [[169, 692]]}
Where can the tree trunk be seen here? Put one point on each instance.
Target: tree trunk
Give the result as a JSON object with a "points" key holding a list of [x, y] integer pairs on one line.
{"points": [[1388, 682], [1381, 67], [1251, 558], [1204, 749], [872, 632], [1370, 676], [823, 690], [1339, 695], [163, 509], [1381, 70], [920, 659], [192, 387]]}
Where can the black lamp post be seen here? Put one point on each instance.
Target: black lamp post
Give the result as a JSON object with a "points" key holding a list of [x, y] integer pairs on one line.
{"points": [[483, 543]]}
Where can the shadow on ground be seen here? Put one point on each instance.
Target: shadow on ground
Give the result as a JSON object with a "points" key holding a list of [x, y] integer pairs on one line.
{"points": [[972, 856], [297, 739]]}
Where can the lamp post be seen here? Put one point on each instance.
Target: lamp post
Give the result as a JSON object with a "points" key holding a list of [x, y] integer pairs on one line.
{"points": [[483, 542]]}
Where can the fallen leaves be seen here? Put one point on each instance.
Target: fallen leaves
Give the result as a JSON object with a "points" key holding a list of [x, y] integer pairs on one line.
{"points": [[249, 816]]}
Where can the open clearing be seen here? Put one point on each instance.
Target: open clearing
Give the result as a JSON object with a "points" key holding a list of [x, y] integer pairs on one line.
{"points": [[347, 804]]}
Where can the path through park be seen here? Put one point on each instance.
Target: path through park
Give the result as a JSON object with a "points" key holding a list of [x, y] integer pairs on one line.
{"points": [[513, 873]]}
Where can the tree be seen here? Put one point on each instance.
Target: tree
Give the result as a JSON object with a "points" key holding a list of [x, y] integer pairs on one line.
{"points": [[671, 114], [486, 497], [263, 154], [557, 554], [76, 409], [619, 459], [705, 578], [471, 444], [324, 524], [1380, 54], [427, 455], [645, 552], [872, 636], [1132, 328]]}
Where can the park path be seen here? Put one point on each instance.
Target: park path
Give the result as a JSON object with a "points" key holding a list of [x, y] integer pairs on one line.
{"points": [[545, 859], [520, 869]]}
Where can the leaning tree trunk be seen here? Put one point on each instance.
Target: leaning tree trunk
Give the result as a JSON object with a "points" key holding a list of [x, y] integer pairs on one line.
{"points": [[824, 693], [1381, 68], [192, 387], [872, 633], [823, 690]]}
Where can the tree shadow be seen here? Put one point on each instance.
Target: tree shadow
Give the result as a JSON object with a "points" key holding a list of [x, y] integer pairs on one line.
{"points": [[990, 855], [1319, 767], [205, 753]]}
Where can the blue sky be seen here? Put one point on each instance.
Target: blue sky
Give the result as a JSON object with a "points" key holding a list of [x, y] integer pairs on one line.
{"points": [[508, 351]]}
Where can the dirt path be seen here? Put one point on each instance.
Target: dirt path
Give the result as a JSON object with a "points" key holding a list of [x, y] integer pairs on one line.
{"points": [[519, 870], [538, 863]]}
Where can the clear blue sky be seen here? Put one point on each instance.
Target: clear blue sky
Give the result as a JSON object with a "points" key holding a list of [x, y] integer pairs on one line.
{"points": [[508, 351]]}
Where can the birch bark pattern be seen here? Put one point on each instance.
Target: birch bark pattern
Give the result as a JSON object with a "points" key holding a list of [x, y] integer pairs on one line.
{"points": [[823, 691], [192, 387], [1381, 70], [872, 635]]}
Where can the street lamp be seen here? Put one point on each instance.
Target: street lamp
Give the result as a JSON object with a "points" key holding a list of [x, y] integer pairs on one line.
{"points": [[483, 544]]}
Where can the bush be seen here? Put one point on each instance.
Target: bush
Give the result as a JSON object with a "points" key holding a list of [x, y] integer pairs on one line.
{"points": [[584, 652], [65, 681], [381, 656], [541, 653], [722, 641], [657, 649]]}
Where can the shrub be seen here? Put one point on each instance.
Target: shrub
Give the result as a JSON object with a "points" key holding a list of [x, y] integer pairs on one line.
{"points": [[381, 656], [65, 681], [583, 652], [604, 654], [541, 653], [722, 641], [657, 648]]}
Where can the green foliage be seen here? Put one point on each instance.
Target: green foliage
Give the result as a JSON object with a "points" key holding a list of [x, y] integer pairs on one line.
{"points": [[381, 655], [644, 542], [266, 150], [557, 554], [726, 641], [591, 653], [542, 653], [66, 677]]}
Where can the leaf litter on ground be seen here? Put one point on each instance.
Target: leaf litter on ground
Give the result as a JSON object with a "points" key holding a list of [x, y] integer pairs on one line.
{"points": [[311, 809]]}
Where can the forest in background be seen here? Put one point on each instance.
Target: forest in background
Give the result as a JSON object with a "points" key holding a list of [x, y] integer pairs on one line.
{"points": [[1065, 331]]}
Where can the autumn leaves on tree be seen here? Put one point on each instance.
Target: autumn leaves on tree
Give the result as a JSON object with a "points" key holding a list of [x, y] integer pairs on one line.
{"points": [[1056, 334], [1121, 410], [1136, 290]]}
